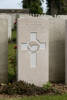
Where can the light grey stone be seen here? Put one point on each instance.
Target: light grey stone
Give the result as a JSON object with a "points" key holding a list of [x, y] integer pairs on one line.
{"points": [[66, 55], [33, 50], [57, 50], [8, 17], [13, 19], [56, 27], [62, 17], [3, 49]]}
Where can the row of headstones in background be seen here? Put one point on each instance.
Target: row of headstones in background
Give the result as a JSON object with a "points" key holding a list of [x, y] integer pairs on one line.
{"points": [[5, 33], [11, 20], [41, 49]]}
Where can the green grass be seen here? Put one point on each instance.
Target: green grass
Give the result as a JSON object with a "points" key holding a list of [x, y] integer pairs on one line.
{"points": [[11, 55], [14, 34], [64, 97], [58, 97]]}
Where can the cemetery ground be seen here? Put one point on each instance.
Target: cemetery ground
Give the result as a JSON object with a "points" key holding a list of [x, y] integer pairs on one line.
{"points": [[12, 57], [23, 91], [58, 97]]}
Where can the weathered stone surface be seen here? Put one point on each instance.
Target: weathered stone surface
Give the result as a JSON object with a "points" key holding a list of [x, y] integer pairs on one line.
{"points": [[30, 68], [8, 17], [57, 50], [3, 49], [66, 54]]}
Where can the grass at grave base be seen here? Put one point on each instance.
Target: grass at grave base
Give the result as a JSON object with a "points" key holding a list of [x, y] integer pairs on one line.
{"points": [[11, 55], [46, 97], [63, 97]]}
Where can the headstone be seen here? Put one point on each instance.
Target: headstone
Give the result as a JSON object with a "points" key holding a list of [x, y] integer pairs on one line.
{"points": [[33, 50], [3, 49], [13, 20], [66, 55], [62, 16], [57, 50], [39, 16], [8, 17]]}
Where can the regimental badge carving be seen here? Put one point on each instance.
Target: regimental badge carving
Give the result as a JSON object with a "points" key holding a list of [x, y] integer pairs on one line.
{"points": [[33, 46]]}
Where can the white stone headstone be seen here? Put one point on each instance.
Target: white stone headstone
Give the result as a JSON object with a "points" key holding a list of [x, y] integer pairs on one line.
{"points": [[62, 17], [57, 50], [8, 17], [3, 49], [33, 50], [66, 55], [13, 20]]}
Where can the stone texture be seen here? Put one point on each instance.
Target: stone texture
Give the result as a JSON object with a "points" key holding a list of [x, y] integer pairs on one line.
{"points": [[3, 49], [57, 50], [38, 75], [8, 17], [66, 55], [13, 19], [62, 17]]}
